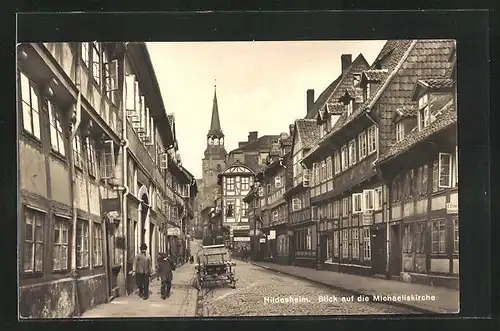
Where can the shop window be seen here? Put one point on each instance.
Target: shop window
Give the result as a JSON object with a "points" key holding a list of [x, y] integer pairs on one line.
{"points": [[82, 244], [60, 250], [56, 130], [438, 236], [33, 240], [98, 244], [30, 106]]}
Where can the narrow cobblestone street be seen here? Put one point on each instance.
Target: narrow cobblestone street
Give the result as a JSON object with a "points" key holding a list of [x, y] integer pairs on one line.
{"points": [[181, 303], [257, 289]]}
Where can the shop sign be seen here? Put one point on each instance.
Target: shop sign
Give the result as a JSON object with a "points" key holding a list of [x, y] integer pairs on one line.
{"points": [[241, 227], [272, 234], [368, 217], [451, 208], [262, 240], [241, 239], [173, 232]]}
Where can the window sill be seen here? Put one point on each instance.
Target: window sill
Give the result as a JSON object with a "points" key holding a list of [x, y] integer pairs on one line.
{"points": [[61, 271], [82, 268], [31, 274], [98, 265], [32, 138], [58, 156]]}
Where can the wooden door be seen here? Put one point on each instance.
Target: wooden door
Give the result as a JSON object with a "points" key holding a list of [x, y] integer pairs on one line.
{"points": [[395, 262], [378, 249]]}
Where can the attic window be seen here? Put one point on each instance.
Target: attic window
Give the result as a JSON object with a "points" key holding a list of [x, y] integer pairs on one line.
{"points": [[366, 92], [349, 108], [400, 131], [357, 88], [430, 107]]}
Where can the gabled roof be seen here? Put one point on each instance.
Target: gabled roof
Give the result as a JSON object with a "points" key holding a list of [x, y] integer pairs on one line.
{"points": [[262, 143], [374, 75], [433, 84], [308, 131], [447, 119], [406, 111]]}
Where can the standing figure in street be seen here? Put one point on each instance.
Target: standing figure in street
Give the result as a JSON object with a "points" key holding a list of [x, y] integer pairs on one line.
{"points": [[164, 272], [143, 271]]}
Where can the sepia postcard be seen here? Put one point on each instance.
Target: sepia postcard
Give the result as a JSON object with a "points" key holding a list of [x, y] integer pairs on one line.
{"points": [[264, 178]]}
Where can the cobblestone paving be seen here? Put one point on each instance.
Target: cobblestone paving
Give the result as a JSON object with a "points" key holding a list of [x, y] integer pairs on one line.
{"points": [[256, 288]]}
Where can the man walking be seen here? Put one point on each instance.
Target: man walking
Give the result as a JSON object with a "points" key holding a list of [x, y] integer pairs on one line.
{"points": [[142, 265], [164, 271]]}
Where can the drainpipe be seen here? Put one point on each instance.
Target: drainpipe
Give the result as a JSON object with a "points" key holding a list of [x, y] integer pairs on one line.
{"points": [[387, 230], [71, 161], [124, 147]]}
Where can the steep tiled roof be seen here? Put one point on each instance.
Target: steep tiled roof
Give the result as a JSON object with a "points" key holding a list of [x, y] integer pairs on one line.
{"points": [[336, 108], [376, 75], [448, 118], [436, 83], [406, 111], [308, 131]]}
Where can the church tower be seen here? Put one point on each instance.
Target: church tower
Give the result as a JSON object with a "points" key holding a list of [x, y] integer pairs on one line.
{"points": [[215, 153]]}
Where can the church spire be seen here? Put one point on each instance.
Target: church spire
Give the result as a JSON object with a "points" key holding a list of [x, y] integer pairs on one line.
{"points": [[215, 129]]}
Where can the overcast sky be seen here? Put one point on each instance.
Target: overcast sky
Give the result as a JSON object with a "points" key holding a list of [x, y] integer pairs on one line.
{"points": [[261, 86]]}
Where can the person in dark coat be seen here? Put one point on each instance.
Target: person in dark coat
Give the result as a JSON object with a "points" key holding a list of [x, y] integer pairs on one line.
{"points": [[164, 272], [142, 265]]}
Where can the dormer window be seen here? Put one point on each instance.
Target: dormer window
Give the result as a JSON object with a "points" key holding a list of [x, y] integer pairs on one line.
{"points": [[357, 88], [349, 108], [400, 131], [366, 92]]}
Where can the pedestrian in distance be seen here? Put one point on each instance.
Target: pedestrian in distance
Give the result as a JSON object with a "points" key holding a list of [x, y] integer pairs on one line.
{"points": [[164, 273], [142, 265]]}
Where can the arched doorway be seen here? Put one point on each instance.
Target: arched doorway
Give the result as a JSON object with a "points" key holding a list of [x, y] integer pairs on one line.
{"points": [[144, 215]]}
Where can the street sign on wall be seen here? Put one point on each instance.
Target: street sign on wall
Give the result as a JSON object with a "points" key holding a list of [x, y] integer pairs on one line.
{"points": [[452, 208], [173, 232], [368, 217], [272, 234], [241, 238], [241, 227], [262, 240]]}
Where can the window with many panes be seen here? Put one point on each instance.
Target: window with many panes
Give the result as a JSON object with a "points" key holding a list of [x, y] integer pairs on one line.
{"points": [[400, 131], [362, 144], [336, 161], [230, 183], [33, 240], [456, 243], [345, 244], [344, 157], [244, 209], [230, 208], [77, 150], [352, 152], [96, 62], [438, 236], [60, 250], [30, 106], [91, 161], [336, 209], [372, 139], [85, 54], [355, 244], [329, 165], [366, 244], [357, 206], [245, 183], [98, 247], [82, 244], [336, 244], [444, 170], [56, 130], [419, 241]]}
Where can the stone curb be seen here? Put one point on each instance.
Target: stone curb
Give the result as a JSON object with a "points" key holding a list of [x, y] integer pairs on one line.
{"points": [[353, 292]]}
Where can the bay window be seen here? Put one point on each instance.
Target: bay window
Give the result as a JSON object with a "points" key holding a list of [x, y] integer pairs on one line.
{"points": [[33, 240], [352, 152], [60, 249], [372, 139], [56, 130], [30, 106], [362, 144]]}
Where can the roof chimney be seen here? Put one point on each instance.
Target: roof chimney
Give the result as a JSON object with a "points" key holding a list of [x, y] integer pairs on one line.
{"points": [[242, 143], [291, 127], [252, 136], [310, 99], [346, 60]]}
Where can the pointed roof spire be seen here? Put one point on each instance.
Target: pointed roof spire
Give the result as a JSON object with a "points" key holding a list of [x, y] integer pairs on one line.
{"points": [[215, 129]]}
